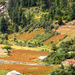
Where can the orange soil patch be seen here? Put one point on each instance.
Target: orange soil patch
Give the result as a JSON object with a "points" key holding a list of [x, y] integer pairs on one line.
{"points": [[11, 35], [29, 36], [71, 61], [46, 73], [54, 38], [64, 30], [26, 68], [25, 55]]}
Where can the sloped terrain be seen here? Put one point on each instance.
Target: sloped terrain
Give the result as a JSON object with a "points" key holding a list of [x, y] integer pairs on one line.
{"points": [[55, 39], [25, 55], [26, 36]]}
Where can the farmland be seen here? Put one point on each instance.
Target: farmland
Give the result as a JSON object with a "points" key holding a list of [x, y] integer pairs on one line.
{"points": [[36, 36], [26, 69], [25, 55], [26, 36], [54, 38]]}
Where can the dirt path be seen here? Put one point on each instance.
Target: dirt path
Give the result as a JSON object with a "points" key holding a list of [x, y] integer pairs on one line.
{"points": [[15, 62]]}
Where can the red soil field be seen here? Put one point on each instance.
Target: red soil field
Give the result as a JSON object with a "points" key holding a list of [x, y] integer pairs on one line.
{"points": [[65, 31], [25, 55], [29, 36], [54, 38], [71, 61], [34, 70]]}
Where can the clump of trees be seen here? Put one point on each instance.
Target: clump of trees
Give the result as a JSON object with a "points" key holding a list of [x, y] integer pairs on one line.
{"points": [[3, 25], [8, 48], [61, 53], [58, 10], [61, 71]]}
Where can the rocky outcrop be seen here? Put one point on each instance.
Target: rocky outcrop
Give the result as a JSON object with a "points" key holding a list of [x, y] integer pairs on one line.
{"points": [[42, 58], [3, 8], [14, 72]]}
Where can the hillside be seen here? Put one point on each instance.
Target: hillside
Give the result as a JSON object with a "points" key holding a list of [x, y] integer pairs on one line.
{"points": [[37, 36]]}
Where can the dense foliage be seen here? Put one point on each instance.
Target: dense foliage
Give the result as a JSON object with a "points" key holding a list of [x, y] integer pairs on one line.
{"points": [[61, 71], [57, 10], [61, 53]]}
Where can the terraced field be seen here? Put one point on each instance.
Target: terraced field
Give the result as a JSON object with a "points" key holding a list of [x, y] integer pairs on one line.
{"points": [[27, 69], [26, 36], [25, 55], [55, 39]]}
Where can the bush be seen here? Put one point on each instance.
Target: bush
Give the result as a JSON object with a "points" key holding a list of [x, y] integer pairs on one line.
{"points": [[5, 42], [1, 42], [8, 48], [65, 36], [68, 19], [56, 17], [60, 21], [51, 42], [53, 47], [5, 36], [56, 27], [64, 17], [30, 30]]}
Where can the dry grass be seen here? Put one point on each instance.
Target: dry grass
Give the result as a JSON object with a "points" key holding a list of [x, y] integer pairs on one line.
{"points": [[29, 36]]}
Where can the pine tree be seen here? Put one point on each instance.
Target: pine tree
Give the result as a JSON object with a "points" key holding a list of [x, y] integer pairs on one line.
{"points": [[58, 11], [16, 28], [20, 14], [10, 7], [51, 12], [57, 2], [3, 25], [60, 21], [28, 17], [23, 20]]}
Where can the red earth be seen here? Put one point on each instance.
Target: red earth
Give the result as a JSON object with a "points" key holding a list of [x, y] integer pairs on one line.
{"points": [[54, 38], [34, 70], [25, 55]]}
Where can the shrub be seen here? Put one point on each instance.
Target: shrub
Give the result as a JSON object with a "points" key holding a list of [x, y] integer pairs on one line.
{"points": [[5, 36], [15, 39], [53, 47], [51, 42], [64, 17], [1, 42], [60, 21], [5, 42], [65, 36], [56, 17], [8, 48], [30, 30], [56, 27]]}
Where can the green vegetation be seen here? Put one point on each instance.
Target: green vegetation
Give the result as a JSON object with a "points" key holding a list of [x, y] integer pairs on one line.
{"points": [[62, 71], [61, 53], [8, 48], [27, 15], [2, 1], [3, 72]]}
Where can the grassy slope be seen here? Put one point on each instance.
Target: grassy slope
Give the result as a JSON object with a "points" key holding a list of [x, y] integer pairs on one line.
{"points": [[69, 37], [26, 36], [3, 72], [28, 48]]}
